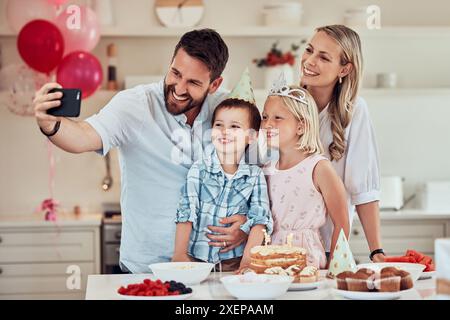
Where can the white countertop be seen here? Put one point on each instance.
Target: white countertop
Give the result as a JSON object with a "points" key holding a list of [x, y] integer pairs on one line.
{"points": [[104, 287], [63, 220], [413, 214]]}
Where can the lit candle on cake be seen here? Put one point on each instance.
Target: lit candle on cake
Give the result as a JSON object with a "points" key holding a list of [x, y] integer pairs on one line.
{"points": [[289, 239], [266, 237]]}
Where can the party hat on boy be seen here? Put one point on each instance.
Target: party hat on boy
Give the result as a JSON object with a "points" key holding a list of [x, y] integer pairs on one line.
{"points": [[342, 259], [243, 90]]}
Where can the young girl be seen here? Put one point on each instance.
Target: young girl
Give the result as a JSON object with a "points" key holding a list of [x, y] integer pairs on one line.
{"points": [[303, 185]]}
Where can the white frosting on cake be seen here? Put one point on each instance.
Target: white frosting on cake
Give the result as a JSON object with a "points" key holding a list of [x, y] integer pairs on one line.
{"points": [[277, 270], [291, 271], [308, 271], [294, 269], [272, 249]]}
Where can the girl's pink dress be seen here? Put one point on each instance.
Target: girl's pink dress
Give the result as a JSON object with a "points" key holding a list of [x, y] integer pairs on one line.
{"points": [[298, 208]]}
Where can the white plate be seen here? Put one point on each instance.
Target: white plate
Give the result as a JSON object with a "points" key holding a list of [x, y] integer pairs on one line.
{"points": [[427, 275], [359, 295], [305, 286], [177, 297]]}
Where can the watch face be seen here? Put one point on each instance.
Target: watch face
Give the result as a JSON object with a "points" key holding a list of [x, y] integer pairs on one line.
{"points": [[179, 13]]}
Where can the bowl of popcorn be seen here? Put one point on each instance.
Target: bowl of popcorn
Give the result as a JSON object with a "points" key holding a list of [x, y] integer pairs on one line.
{"points": [[253, 286], [190, 273]]}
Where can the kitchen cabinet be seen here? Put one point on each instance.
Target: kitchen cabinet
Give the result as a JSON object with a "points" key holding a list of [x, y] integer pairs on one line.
{"points": [[46, 260], [400, 231]]}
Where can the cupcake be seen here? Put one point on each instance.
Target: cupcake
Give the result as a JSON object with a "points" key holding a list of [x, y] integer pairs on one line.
{"points": [[366, 271], [390, 270], [388, 283], [341, 279], [358, 282], [406, 281]]}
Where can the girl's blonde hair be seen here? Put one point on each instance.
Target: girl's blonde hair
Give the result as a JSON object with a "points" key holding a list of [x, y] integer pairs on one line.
{"points": [[307, 113], [340, 109]]}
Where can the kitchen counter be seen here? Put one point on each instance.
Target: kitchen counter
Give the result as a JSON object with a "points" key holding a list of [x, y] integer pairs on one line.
{"points": [[63, 220], [95, 219], [413, 214], [104, 287]]}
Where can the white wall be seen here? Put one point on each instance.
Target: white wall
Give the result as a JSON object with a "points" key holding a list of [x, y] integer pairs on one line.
{"points": [[413, 134], [411, 129], [24, 168]]}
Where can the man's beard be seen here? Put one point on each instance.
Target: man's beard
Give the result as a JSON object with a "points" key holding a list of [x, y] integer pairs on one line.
{"points": [[190, 102]]}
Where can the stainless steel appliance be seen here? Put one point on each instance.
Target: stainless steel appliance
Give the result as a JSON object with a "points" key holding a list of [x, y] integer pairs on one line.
{"points": [[111, 235]]}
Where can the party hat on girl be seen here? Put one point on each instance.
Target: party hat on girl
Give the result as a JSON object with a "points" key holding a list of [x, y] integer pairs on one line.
{"points": [[243, 90]]}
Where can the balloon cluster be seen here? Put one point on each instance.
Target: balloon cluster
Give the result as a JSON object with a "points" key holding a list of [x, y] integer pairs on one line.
{"points": [[53, 44]]}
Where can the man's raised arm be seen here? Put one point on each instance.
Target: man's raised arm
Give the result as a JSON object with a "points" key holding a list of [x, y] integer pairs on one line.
{"points": [[72, 136]]}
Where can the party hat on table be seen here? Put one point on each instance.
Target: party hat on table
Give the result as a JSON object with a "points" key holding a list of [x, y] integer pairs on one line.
{"points": [[243, 90], [342, 259]]}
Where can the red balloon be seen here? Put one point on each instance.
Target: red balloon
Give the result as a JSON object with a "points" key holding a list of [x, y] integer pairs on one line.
{"points": [[80, 70], [41, 45]]}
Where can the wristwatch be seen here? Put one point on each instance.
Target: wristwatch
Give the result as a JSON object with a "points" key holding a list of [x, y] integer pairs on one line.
{"points": [[54, 131], [376, 251]]}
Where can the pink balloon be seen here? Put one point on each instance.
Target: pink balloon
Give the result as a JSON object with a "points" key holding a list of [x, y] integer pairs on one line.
{"points": [[80, 28], [80, 70], [20, 12]]}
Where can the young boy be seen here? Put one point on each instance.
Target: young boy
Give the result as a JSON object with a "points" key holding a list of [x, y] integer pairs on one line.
{"points": [[223, 185]]}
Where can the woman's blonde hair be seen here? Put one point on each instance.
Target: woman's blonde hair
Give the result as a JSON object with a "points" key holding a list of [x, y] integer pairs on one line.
{"points": [[340, 109], [307, 113]]}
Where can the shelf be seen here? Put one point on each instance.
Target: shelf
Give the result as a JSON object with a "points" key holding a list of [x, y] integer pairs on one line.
{"points": [[405, 91], [262, 31], [388, 92]]}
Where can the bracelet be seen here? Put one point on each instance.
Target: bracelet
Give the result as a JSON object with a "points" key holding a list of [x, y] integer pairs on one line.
{"points": [[54, 131], [376, 251]]}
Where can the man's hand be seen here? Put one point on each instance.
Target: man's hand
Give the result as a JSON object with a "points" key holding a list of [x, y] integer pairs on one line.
{"points": [[230, 237], [44, 101]]}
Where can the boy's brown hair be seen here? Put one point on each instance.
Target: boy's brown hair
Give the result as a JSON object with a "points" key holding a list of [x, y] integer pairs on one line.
{"points": [[254, 117]]}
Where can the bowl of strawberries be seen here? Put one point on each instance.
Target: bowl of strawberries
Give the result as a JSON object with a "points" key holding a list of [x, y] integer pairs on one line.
{"points": [[416, 257], [154, 290], [419, 265]]}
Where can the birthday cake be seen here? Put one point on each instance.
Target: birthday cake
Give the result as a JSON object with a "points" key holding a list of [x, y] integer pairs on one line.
{"points": [[283, 256]]}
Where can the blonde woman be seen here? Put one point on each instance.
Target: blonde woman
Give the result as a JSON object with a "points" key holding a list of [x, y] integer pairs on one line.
{"points": [[302, 184], [331, 69]]}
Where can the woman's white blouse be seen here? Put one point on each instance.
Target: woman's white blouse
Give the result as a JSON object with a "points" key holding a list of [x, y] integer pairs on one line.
{"points": [[359, 166]]}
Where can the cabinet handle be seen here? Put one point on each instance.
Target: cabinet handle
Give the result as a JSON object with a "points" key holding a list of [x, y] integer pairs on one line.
{"points": [[1, 240], [117, 250], [355, 232], [1, 270], [118, 235], [357, 261]]}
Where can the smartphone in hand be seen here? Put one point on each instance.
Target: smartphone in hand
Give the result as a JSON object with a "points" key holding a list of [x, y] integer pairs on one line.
{"points": [[70, 103]]}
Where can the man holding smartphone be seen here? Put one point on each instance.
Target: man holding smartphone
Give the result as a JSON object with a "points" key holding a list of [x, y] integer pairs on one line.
{"points": [[149, 124]]}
